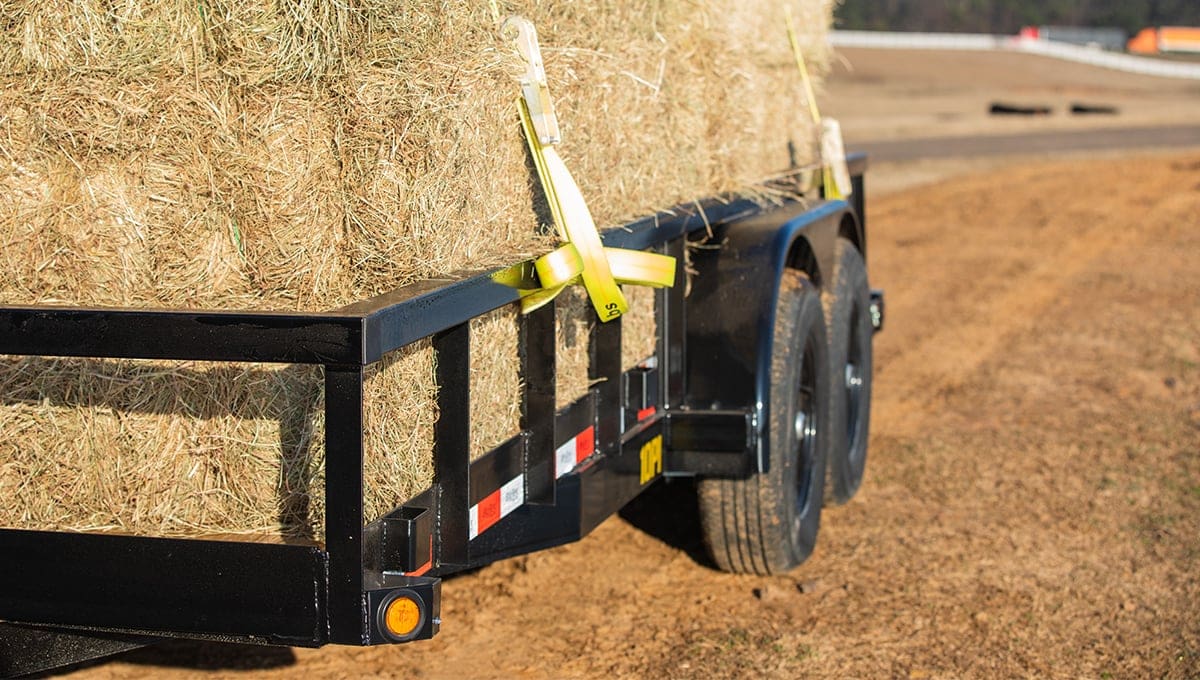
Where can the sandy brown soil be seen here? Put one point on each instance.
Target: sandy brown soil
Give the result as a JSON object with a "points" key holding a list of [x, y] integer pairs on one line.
{"points": [[1032, 501]]}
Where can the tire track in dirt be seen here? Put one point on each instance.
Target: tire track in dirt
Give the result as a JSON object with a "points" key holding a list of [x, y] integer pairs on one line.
{"points": [[1017, 496], [1035, 268], [948, 357]]}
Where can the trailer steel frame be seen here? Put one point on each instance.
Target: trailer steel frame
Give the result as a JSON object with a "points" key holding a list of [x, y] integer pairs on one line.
{"points": [[706, 418]]}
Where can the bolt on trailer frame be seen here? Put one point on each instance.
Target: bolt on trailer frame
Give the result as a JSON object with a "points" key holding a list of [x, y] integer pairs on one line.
{"points": [[696, 408]]}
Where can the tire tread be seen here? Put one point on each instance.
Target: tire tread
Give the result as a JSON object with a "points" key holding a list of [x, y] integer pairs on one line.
{"points": [[741, 518]]}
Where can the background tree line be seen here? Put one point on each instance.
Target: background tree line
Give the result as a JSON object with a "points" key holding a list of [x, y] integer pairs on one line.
{"points": [[1008, 16]]}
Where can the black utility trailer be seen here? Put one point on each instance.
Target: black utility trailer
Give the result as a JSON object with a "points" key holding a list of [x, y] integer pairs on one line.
{"points": [[760, 380]]}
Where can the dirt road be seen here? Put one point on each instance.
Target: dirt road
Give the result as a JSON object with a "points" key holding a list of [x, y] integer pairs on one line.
{"points": [[1029, 143], [1032, 502], [1032, 506], [904, 94]]}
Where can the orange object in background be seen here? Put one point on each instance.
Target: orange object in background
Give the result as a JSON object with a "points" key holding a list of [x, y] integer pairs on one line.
{"points": [[1178, 39], [1145, 42], [1165, 39]]}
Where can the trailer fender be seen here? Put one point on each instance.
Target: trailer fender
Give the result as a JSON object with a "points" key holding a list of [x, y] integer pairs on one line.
{"points": [[733, 299]]}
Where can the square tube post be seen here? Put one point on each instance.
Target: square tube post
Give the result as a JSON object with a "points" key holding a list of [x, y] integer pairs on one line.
{"points": [[671, 308], [452, 444], [604, 365], [539, 375], [344, 503]]}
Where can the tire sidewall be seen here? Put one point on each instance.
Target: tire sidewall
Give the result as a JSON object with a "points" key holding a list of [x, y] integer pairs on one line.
{"points": [[848, 308], [808, 332]]}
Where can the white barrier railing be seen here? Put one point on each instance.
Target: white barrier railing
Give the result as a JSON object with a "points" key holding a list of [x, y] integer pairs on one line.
{"points": [[1113, 60], [916, 41], [973, 41]]}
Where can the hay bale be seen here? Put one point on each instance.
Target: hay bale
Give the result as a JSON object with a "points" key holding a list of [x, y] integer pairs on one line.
{"points": [[306, 155]]}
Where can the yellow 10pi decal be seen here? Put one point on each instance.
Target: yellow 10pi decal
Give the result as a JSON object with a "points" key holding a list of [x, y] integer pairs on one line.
{"points": [[651, 455]]}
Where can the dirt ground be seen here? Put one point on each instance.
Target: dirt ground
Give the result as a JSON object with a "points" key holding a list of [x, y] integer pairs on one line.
{"points": [[1032, 501], [894, 94]]}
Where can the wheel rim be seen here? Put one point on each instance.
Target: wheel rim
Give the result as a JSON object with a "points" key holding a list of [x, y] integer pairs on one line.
{"points": [[853, 382], [805, 439]]}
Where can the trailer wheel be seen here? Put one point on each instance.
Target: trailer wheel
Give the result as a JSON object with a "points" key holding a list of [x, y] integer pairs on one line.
{"points": [[768, 523], [847, 306]]}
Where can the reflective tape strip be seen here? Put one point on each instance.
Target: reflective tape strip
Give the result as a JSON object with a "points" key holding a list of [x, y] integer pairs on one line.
{"points": [[428, 564], [496, 506], [574, 451], [585, 444], [564, 458]]}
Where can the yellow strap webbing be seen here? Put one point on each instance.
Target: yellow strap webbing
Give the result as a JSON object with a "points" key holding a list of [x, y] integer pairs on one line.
{"points": [[832, 190], [582, 255]]}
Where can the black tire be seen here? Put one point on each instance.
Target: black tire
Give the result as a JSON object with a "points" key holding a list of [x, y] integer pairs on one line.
{"points": [[768, 523], [848, 313]]}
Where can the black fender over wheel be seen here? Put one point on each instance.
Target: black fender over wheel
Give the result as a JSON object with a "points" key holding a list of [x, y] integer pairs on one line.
{"points": [[768, 523], [847, 303]]}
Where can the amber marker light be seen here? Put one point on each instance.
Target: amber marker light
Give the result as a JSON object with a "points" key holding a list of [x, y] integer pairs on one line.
{"points": [[402, 615]]}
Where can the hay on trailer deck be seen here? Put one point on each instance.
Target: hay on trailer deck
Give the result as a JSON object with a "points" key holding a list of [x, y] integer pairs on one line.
{"points": [[306, 155]]}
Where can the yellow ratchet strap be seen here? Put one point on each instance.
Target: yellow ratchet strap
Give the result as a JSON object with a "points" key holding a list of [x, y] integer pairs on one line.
{"points": [[832, 190], [582, 255]]}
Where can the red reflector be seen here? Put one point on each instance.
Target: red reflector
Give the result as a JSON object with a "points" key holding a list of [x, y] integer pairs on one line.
{"points": [[489, 511], [585, 443]]}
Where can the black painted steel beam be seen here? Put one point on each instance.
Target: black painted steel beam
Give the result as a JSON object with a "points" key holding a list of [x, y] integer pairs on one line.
{"points": [[181, 334], [174, 587]]}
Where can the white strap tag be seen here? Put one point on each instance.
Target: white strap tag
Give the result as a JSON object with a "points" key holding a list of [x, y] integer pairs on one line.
{"points": [[833, 152]]}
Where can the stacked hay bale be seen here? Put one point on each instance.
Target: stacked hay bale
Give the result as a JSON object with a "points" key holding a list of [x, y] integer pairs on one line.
{"points": [[305, 155]]}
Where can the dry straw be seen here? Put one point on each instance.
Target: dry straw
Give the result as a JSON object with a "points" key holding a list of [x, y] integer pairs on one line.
{"points": [[304, 155]]}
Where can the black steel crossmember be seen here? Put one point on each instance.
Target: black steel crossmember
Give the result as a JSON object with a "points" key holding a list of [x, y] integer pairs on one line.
{"points": [[174, 587]]}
